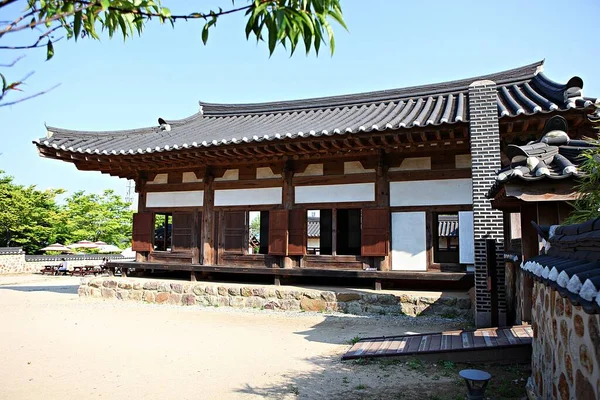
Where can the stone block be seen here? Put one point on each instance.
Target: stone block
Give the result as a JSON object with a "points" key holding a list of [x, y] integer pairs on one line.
{"points": [[223, 301], [272, 305], [199, 290], [254, 302], [188, 300], [163, 287], [94, 292], [122, 294], [237, 301], [125, 285], [110, 284], [210, 290], [153, 285], [348, 296], [259, 292], [108, 293], [96, 283], [234, 291], [174, 298], [331, 306], [222, 291], [447, 301], [187, 288], [387, 299], [138, 285], [149, 297], [354, 308], [463, 303], [407, 299], [307, 304], [203, 300], [177, 288], [290, 305], [246, 291], [161, 297], [136, 295], [328, 296], [311, 294]]}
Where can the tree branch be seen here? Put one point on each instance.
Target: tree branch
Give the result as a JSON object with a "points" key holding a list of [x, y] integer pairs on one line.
{"points": [[29, 97], [37, 42]]}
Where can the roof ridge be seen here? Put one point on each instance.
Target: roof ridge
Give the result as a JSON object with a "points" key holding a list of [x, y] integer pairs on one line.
{"points": [[503, 77]]}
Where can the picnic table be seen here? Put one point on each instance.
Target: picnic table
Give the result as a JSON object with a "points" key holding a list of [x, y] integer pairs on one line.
{"points": [[51, 269], [84, 270]]}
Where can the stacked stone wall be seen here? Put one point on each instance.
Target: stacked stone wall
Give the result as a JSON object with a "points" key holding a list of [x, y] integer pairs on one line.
{"points": [[566, 348], [17, 262], [271, 297]]}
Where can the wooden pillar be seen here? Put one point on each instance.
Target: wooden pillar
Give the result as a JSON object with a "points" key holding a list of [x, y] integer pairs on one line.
{"points": [[288, 202], [140, 188], [208, 242], [334, 232], [530, 248], [196, 226], [382, 199]]}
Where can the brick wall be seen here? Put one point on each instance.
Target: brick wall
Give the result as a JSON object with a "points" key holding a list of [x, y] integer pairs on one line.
{"points": [[488, 223]]}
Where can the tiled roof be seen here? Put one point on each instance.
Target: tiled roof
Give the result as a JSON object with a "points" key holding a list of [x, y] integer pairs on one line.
{"points": [[11, 250], [521, 91], [448, 226], [313, 227], [554, 156], [572, 264]]}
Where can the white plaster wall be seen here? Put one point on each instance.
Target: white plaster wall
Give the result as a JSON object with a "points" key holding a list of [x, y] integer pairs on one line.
{"points": [[413, 163], [462, 161], [355, 167], [335, 193], [266, 173], [466, 242], [175, 199], [311, 170], [189, 177], [409, 241], [248, 197], [230, 175], [159, 178], [431, 193]]}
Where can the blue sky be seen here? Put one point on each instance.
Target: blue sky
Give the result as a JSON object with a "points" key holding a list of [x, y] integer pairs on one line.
{"points": [[111, 85]]}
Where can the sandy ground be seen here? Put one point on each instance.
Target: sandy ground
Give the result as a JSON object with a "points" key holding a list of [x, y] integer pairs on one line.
{"points": [[57, 346]]}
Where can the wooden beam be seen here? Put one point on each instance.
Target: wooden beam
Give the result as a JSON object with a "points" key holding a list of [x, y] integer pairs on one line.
{"points": [[208, 239]]}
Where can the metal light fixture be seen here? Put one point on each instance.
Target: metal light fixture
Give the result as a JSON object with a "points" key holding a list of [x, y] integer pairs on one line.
{"points": [[476, 381]]}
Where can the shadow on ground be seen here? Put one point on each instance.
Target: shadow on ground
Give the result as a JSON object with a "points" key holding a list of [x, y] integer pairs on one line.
{"points": [[386, 379], [66, 289]]}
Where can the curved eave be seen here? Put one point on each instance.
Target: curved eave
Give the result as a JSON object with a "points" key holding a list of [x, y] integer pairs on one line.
{"points": [[234, 141]]}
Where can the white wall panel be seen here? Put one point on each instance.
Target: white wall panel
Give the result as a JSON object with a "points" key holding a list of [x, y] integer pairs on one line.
{"points": [[466, 241], [175, 199], [431, 193], [248, 197], [335, 193], [409, 241]]}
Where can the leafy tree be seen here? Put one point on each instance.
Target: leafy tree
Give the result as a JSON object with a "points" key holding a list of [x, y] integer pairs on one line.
{"points": [[27, 216], [587, 205], [255, 227], [93, 217], [277, 22]]}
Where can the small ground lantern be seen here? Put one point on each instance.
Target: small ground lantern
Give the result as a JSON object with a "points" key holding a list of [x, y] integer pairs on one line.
{"points": [[476, 382]]}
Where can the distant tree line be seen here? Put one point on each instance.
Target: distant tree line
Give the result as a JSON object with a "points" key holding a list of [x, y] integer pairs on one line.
{"points": [[32, 218]]}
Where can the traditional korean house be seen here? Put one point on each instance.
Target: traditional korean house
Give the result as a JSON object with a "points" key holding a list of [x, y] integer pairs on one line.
{"points": [[537, 186], [381, 168]]}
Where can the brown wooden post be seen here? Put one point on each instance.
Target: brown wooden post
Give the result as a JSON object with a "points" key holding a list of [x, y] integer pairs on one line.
{"points": [[288, 202], [382, 199], [196, 225], [529, 243], [140, 188], [208, 242]]}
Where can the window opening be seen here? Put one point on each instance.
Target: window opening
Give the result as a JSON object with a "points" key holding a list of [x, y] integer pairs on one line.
{"points": [[348, 231], [163, 228], [313, 231], [446, 238], [258, 232]]}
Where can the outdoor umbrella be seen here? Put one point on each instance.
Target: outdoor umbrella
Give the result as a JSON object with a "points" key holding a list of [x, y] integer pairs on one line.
{"points": [[56, 247], [109, 248], [83, 244], [100, 243]]}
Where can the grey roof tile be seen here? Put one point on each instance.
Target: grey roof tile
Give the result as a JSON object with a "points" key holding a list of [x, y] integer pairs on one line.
{"points": [[523, 90]]}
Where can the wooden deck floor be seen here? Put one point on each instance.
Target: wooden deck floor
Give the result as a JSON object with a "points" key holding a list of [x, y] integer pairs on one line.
{"points": [[509, 344]]}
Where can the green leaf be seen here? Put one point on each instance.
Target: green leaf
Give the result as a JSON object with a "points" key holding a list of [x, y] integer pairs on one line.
{"points": [[105, 4], [49, 50], [205, 34], [77, 24]]}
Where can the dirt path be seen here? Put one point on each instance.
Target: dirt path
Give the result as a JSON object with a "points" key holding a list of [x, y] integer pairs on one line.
{"points": [[57, 346]]}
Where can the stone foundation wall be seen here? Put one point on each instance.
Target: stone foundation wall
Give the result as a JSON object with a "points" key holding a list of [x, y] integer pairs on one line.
{"points": [[272, 297], [17, 262], [566, 348]]}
